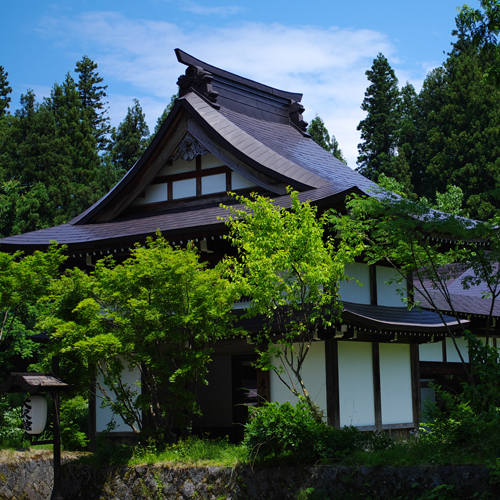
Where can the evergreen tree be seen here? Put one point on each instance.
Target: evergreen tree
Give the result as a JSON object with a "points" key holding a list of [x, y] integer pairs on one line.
{"points": [[163, 117], [92, 95], [130, 139], [74, 126], [380, 127], [5, 90], [458, 122], [36, 154], [319, 134]]}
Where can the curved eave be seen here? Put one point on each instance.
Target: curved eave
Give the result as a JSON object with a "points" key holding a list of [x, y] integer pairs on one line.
{"points": [[172, 224], [399, 319]]}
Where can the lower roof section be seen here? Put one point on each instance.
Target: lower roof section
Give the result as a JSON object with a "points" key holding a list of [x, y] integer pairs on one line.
{"points": [[400, 319], [376, 323]]}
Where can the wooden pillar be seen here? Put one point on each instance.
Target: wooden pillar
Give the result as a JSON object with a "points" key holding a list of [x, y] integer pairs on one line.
{"points": [[377, 394], [332, 383], [415, 384]]}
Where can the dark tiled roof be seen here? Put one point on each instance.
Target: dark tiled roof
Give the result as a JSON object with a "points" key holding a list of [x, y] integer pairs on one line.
{"points": [[301, 150], [136, 229], [465, 301], [398, 318], [276, 148]]}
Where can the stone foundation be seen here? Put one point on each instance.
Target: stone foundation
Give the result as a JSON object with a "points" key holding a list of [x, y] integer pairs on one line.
{"points": [[33, 480]]}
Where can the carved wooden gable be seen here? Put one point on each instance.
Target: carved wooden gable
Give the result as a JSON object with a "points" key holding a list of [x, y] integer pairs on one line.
{"points": [[191, 172]]}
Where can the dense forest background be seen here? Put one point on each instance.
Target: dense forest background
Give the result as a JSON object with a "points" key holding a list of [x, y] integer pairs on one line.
{"points": [[59, 156], [447, 136]]}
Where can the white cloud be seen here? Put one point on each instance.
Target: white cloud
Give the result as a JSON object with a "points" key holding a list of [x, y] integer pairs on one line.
{"points": [[327, 65], [226, 10]]}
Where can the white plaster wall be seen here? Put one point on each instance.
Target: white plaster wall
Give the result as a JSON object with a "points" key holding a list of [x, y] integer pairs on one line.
{"points": [[210, 161], [240, 182], [213, 184], [356, 384], [350, 291], [183, 189], [387, 295], [395, 384], [105, 415], [216, 399], [154, 193], [179, 167], [451, 352], [313, 374], [431, 352]]}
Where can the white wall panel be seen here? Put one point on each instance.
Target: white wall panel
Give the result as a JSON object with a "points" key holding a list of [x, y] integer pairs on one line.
{"points": [[313, 373], [350, 291], [395, 383], [213, 184], [451, 351], [183, 189], [356, 384], [105, 415], [387, 295], [179, 166], [216, 399], [210, 161], [240, 182], [431, 352], [155, 193]]}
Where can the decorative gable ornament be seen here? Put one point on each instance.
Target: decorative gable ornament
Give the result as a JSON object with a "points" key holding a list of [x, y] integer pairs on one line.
{"points": [[198, 80], [189, 148], [34, 414]]}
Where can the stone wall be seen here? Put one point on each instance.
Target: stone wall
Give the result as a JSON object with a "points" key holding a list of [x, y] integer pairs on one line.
{"points": [[33, 480]]}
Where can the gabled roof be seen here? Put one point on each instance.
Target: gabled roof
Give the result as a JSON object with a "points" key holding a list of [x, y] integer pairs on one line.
{"points": [[256, 130]]}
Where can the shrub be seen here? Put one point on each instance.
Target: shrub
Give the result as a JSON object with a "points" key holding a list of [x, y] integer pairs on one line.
{"points": [[284, 430], [74, 423], [457, 424], [11, 431]]}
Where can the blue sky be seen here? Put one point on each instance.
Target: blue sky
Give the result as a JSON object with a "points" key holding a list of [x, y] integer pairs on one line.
{"points": [[320, 48]]}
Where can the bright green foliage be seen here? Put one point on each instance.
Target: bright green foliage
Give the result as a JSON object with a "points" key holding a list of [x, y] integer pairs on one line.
{"points": [[319, 134], [23, 280], [159, 311], [293, 434], [401, 233], [130, 139], [11, 431], [5, 90], [380, 127], [287, 267], [92, 94], [74, 423]]}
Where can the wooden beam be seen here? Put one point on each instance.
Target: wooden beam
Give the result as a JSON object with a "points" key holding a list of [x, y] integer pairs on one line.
{"points": [[415, 384], [377, 393], [332, 383]]}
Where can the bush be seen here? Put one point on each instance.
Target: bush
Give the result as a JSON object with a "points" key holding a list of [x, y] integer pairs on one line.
{"points": [[457, 424], [11, 430], [287, 431], [74, 423]]}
